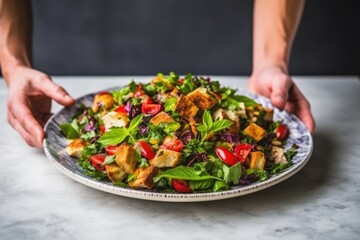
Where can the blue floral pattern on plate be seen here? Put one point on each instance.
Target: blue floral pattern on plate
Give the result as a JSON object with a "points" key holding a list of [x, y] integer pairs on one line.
{"points": [[55, 144]]}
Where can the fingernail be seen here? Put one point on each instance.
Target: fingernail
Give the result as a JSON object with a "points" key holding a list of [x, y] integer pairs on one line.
{"points": [[280, 100]]}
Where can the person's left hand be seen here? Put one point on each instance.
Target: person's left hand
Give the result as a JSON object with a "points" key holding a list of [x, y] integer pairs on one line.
{"points": [[275, 83]]}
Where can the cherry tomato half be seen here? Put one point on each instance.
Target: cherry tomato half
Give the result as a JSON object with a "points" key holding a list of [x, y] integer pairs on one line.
{"points": [[150, 109], [146, 150], [181, 186], [102, 128], [139, 91], [120, 109], [226, 156], [111, 149], [242, 150], [173, 145], [282, 132], [97, 161]]}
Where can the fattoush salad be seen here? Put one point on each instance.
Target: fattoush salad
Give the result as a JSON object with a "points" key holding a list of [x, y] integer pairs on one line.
{"points": [[177, 134]]}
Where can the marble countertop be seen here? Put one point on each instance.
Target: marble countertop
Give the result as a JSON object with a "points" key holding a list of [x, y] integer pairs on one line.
{"points": [[322, 201]]}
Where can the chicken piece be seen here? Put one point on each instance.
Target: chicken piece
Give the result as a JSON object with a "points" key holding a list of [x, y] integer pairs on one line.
{"points": [[144, 178], [165, 158], [102, 100], [255, 131], [257, 160], [203, 98], [185, 107], [127, 158], [161, 117], [115, 173], [277, 155], [75, 147], [221, 114], [115, 119]]}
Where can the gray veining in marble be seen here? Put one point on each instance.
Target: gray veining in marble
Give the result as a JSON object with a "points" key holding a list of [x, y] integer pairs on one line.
{"points": [[322, 201]]}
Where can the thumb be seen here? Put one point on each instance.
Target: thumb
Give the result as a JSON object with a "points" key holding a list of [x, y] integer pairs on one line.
{"points": [[280, 86], [56, 92]]}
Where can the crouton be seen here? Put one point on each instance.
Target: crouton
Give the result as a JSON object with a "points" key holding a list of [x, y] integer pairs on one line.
{"points": [[165, 158], [115, 119], [102, 100], [127, 158], [185, 107], [115, 173], [277, 155], [255, 131], [257, 160], [161, 117], [203, 98], [75, 147], [144, 178]]}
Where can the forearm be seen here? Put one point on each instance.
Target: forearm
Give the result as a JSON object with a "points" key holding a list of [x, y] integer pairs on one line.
{"points": [[275, 25], [15, 34]]}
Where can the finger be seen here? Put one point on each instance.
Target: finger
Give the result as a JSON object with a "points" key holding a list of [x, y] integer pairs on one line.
{"points": [[28, 137], [303, 109], [54, 91], [280, 86], [22, 116]]}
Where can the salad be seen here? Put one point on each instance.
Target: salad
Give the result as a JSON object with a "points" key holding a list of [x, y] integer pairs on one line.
{"points": [[177, 134]]}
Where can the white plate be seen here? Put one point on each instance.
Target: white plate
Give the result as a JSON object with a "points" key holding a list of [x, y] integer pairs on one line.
{"points": [[55, 143]]}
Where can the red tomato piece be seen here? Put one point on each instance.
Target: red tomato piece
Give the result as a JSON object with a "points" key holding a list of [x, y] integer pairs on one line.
{"points": [[242, 150], [282, 132], [97, 161], [173, 145], [121, 109], [181, 186], [150, 109], [139, 91], [102, 128], [146, 150], [226, 156], [111, 149]]}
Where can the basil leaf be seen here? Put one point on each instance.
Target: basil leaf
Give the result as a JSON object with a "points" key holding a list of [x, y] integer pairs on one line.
{"points": [[108, 160], [232, 174], [220, 125], [184, 173], [247, 101], [114, 136], [207, 119], [69, 131], [220, 186], [135, 122], [201, 185]]}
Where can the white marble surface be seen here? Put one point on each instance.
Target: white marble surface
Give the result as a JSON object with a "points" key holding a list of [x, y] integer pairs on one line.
{"points": [[322, 201]]}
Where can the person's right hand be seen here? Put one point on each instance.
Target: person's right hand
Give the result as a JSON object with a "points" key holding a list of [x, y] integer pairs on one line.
{"points": [[29, 102]]}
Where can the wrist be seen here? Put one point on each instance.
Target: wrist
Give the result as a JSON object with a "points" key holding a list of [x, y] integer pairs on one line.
{"points": [[270, 62], [10, 64]]}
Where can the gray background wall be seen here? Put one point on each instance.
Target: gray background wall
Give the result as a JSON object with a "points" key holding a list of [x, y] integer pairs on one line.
{"points": [[119, 37]]}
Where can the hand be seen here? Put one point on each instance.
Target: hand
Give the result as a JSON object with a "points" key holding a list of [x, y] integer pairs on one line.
{"points": [[29, 102], [275, 83]]}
